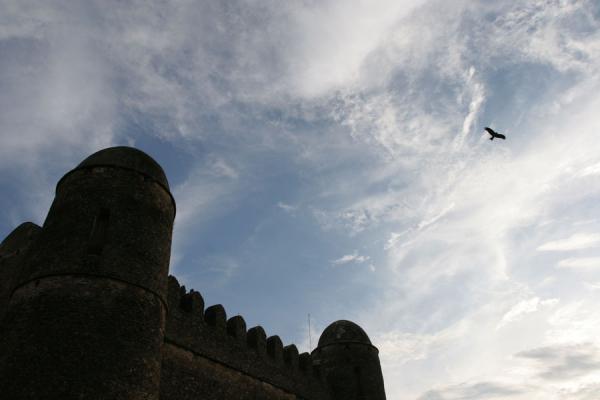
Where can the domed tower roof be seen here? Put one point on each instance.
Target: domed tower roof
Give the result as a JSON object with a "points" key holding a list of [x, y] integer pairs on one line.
{"points": [[20, 236], [343, 331], [128, 158]]}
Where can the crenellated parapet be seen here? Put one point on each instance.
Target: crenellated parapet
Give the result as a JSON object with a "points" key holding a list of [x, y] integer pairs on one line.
{"points": [[208, 334]]}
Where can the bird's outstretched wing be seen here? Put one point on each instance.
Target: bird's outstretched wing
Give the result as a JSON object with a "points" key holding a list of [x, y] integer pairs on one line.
{"points": [[500, 136], [490, 131]]}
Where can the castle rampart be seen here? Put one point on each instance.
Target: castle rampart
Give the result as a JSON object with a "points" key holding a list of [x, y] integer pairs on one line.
{"points": [[206, 336], [87, 309]]}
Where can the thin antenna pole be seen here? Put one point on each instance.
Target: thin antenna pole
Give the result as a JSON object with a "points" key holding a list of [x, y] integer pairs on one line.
{"points": [[309, 335]]}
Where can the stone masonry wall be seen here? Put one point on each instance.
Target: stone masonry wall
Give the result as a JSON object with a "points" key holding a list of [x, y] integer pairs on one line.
{"points": [[204, 352]]}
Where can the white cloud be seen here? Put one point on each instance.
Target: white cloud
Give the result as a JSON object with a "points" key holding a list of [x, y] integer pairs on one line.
{"points": [[525, 307], [57, 96], [398, 348], [202, 197], [581, 262], [221, 168], [576, 241], [334, 39], [477, 96], [393, 239], [431, 220], [350, 258], [287, 207], [499, 195], [590, 170]]}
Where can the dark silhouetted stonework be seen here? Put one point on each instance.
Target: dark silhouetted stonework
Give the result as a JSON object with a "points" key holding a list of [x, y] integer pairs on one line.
{"points": [[349, 362], [88, 311]]}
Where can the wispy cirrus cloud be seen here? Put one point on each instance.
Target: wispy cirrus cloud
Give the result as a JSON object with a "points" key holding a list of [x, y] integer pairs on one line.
{"points": [[286, 207], [581, 262], [354, 258], [525, 307], [576, 241]]}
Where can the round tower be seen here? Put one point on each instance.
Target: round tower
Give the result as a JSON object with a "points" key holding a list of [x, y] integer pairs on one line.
{"points": [[12, 250], [349, 362], [86, 316]]}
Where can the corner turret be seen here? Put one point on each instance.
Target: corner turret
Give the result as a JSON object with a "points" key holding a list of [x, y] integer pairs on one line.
{"points": [[349, 362]]}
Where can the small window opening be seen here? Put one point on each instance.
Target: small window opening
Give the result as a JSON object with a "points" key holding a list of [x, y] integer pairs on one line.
{"points": [[98, 234]]}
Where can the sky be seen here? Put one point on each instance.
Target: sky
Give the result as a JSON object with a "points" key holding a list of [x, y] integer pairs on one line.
{"points": [[328, 158]]}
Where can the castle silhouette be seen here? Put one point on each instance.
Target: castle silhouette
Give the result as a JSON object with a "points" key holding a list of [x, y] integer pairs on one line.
{"points": [[88, 310]]}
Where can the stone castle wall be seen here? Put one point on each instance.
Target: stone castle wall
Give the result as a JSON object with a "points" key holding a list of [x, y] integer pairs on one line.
{"points": [[87, 309], [205, 352]]}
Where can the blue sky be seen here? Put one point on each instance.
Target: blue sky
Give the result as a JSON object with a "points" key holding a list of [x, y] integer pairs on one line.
{"points": [[329, 158]]}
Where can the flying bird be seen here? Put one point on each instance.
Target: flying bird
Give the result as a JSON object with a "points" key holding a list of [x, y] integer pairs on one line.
{"points": [[494, 134]]}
